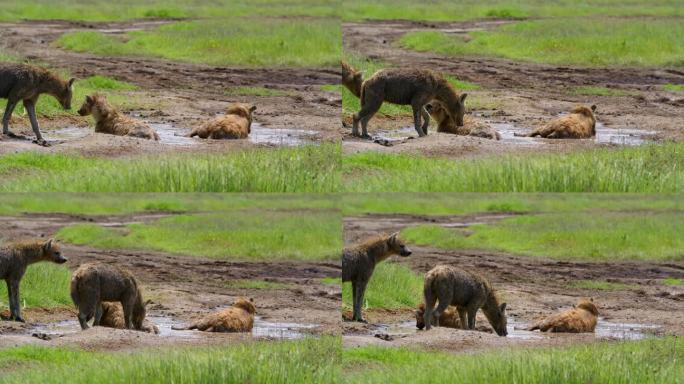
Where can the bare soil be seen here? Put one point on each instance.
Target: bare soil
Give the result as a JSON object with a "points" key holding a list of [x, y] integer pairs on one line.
{"points": [[519, 96], [181, 289], [177, 94], [533, 287]]}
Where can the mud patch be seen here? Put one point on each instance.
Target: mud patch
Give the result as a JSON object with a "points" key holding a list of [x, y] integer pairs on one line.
{"points": [[508, 134], [68, 133], [278, 330], [170, 135]]}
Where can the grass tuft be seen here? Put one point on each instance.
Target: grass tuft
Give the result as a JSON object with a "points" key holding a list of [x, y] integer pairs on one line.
{"points": [[392, 286], [44, 285]]}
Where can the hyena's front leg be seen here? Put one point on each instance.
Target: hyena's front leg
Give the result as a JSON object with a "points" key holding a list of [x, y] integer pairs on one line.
{"points": [[15, 308], [98, 315], [30, 106], [6, 117], [361, 291]]}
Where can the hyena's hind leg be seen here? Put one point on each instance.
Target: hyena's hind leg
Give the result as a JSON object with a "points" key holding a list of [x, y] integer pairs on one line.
{"points": [[370, 105], [11, 104], [360, 293], [462, 317]]}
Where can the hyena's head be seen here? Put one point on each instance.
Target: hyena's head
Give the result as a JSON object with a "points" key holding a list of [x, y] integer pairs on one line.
{"points": [[588, 113], [588, 305], [139, 312], [247, 305], [51, 251], [351, 78], [420, 313], [496, 315], [458, 111], [65, 95], [243, 110], [397, 246], [437, 111], [92, 105]]}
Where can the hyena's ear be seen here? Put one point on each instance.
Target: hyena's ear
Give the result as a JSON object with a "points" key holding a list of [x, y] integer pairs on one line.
{"points": [[251, 299], [502, 307], [463, 97], [48, 245], [393, 237], [252, 108], [71, 82], [593, 108], [146, 303], [89, 99]]}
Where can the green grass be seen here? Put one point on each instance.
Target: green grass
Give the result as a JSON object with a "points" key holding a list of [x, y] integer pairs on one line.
{"points": [[302, 361], [312, 168], [44, 285], [445, 10], [568, 235], [250, 42], [650, 361], [674, 87], [256, 284], [238, 234], [673, 281], [601, 91], [102, 10], [393, 286], [573, 41], [351, 103], [602, 285], [257, 91], [126, 203], [331, 281], [118, 93], [649, 168]]}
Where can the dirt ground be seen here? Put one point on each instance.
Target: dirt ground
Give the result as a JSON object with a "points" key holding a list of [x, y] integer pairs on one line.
{"points": [[533, 287], [181, 288], [177, 96], [517, 97]]}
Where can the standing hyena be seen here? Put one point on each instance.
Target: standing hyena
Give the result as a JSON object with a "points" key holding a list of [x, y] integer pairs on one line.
{"points": [[94, 283], [15, 257], [468, 292], [109, 120], [359, 261], [414, 87], [19, 82]]}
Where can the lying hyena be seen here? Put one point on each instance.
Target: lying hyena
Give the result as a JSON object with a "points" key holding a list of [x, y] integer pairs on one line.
{"points": [[238, 318], [448, 319], [20, 82], [581, 318], [109, 120], [359, 261], [15, 257], [414, 87], [446, 124], [91, 284], [351, 79], [113, 317], [236, 124], [468, 292], [579, 124]]}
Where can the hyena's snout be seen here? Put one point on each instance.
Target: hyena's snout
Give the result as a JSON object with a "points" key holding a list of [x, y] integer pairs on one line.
{"points": [[405, 251], [59, 259]]}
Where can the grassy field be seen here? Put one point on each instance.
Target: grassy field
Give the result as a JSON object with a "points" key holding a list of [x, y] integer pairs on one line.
{"points": [[392, 286], [649, 362], [120, 94], [313, 168], [577, 41], [233, 41], [123, 203], [102, 10], [303, 361], [235, 234], [649, 168], [40, 279], [589, 90], [568, 235], [445, 10], [596, 285], [674, 87]]}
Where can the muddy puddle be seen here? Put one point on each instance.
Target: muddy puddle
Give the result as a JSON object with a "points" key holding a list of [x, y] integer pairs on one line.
{"points": [[623, 136], [261, 329], [604, 330], [172, 135]]}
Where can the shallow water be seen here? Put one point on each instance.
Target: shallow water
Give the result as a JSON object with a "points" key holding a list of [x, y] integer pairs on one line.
{"points": [[622, 136], [280, 136]]}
